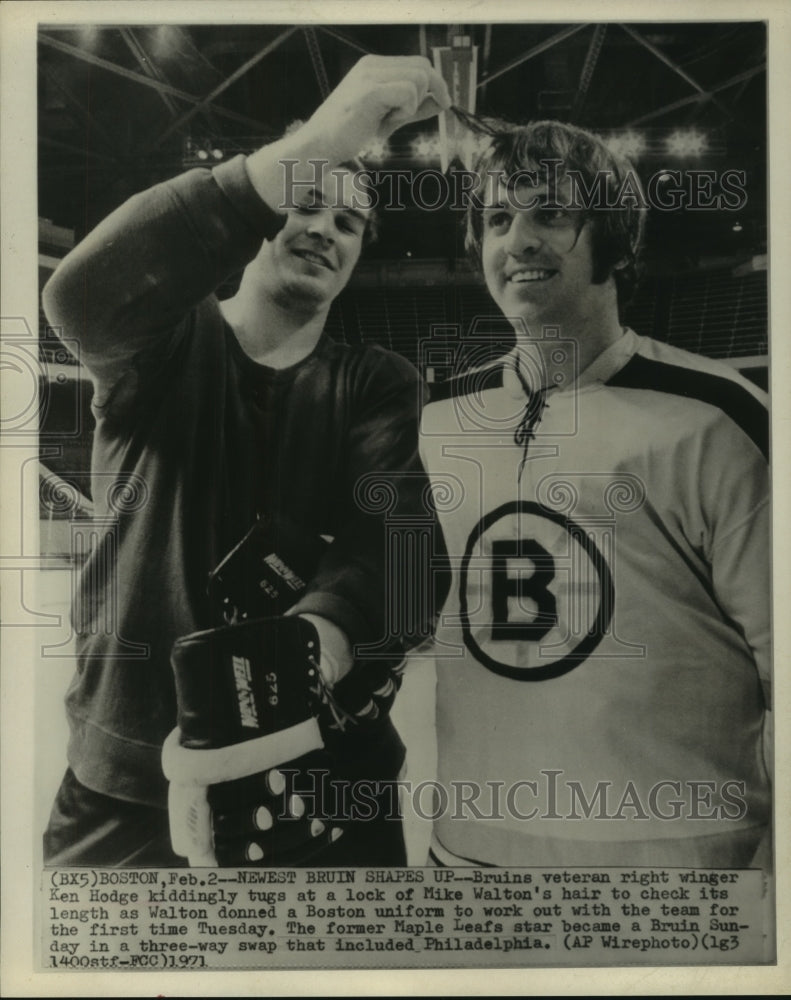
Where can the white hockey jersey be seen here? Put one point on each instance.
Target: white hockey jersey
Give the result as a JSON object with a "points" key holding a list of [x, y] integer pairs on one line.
{"points": [[603, 659]]}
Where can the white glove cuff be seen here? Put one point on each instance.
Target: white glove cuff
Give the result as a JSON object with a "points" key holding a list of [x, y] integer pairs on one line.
{"points": [[239, 760]]}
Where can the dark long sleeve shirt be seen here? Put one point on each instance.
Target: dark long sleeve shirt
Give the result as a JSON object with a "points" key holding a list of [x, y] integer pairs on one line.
{"points": [[193, 439]]}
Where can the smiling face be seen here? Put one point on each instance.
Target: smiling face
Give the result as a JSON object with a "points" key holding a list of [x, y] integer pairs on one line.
{"points": [[312, 258], [537, 257]]}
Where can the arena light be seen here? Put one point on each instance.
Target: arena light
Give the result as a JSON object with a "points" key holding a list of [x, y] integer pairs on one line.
{"points": [[164, 41], [630, 144], [684, 142], [377, 150], [201, 150], [88, 35], [427, 147]]}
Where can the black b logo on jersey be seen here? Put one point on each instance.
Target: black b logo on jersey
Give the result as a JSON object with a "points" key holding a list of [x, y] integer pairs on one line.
{"points": [[535, 588], [536, 594]]}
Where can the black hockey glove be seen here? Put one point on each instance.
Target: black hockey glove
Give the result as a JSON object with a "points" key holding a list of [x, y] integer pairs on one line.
{"points": [[249, 697]]}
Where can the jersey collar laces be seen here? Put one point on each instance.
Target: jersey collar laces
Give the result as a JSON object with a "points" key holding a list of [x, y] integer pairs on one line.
{"points": [[531, 415]]}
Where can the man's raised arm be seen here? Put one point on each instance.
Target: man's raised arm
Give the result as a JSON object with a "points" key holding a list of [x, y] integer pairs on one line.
{"points": [[143, 268]]}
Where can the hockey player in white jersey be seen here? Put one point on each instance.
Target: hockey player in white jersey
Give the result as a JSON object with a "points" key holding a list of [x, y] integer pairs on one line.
{"points": [[603, 659]]}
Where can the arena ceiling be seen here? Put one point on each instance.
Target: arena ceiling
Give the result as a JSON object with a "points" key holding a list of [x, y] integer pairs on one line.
{"points": [[122, 106]]}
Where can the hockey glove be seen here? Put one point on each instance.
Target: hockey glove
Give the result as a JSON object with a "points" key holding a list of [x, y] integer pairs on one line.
{"points": [[248, 699]]}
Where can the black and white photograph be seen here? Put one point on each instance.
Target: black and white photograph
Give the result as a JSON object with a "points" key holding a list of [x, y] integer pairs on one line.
{"points": [[393, 499]]}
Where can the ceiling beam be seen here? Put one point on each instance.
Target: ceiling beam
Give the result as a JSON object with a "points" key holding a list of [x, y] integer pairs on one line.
{"points": [[237, 74], [548, 43], [334, 33], [187, 42], [318, 62], [589, 66], [694, 98], [148, 67], [743, 84], [676, 68], [128, 74], [72, 100], [486, 56]]}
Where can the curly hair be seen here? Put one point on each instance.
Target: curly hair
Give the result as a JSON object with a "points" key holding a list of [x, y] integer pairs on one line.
{"points": [[617, 228]]}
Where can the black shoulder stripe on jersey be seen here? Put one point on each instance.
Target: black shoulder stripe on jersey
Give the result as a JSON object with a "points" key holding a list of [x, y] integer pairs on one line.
{"points": [[467, 384], [733, 399]]}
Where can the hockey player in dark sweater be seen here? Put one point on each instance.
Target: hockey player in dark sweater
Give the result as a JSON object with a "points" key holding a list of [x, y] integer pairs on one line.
{"points": [[212, 418]]}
